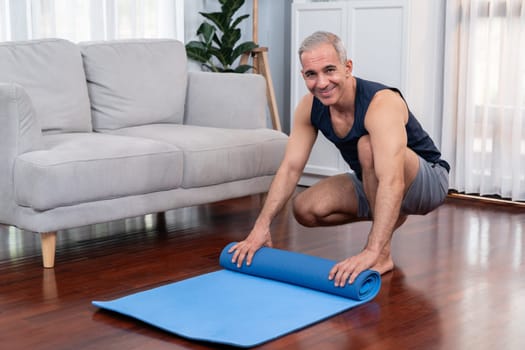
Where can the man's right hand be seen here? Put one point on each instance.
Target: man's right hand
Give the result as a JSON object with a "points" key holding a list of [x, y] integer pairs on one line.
{"points": [[300, 143], [246, 249]]}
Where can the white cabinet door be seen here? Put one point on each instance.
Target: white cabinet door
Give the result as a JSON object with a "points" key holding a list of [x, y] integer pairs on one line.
{"points": [[374, 33], [378, 40], [306, 19]]}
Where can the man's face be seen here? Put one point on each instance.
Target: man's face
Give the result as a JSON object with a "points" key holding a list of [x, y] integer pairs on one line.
{"points": [[324, 74]]}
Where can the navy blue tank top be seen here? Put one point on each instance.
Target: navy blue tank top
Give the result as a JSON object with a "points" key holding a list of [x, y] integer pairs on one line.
{"points": [[418, 139]]}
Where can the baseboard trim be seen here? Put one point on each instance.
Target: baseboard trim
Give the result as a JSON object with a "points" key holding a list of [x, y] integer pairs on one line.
{"points": [[485, 199]]}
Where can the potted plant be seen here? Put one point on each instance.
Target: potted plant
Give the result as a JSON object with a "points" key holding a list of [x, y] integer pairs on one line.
{"points": [[217, 50]]}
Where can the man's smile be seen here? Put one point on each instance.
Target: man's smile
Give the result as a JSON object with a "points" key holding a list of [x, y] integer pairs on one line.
{"points": [[326, 92]]}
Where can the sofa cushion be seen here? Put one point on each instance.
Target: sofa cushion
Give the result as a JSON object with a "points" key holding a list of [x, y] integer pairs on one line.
{"points": [[215, 155], [51, 72], [84, 167], [229, 99], [135, 82]]}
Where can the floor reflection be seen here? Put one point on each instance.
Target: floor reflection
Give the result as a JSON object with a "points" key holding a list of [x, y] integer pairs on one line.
{"points": [[49, 284]]}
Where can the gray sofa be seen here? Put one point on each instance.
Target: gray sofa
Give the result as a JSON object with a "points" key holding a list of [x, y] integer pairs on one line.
{"points": [[101, 131]]}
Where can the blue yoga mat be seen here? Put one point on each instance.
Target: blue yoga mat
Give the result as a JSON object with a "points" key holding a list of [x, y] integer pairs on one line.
{"points": [[279, 293]]}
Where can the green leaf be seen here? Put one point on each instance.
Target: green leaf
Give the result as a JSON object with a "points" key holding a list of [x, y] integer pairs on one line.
{"points": [[217, 40], [217, 52], [206, 31], [226, 53], [246, 46], [218, 19], [197, 53], [229, 7], [211, 67], [239, 20], [196, 44], [231, 37], [243, 68]]}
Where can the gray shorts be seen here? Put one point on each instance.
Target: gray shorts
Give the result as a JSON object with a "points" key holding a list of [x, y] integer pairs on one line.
{"points": [[427, 192]]}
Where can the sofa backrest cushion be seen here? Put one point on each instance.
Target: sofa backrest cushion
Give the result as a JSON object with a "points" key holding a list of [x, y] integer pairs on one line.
{"points": [[233, 100], [135, 82], [51, 72]]}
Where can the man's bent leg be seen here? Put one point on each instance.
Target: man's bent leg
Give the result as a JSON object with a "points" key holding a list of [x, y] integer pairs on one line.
{"points": [[426, 192], [332, 201], [370, 183]]}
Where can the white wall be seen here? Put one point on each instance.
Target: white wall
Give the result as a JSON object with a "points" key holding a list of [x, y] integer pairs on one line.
{"points": [[424, 88], [274, 33]]}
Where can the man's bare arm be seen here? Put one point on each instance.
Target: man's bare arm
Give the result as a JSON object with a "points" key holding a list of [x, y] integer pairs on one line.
{"points": [[300, 143], [387, 131], [385, 122]]}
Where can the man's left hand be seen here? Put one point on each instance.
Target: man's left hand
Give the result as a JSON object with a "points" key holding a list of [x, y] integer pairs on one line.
{"points": [[348, 269]]}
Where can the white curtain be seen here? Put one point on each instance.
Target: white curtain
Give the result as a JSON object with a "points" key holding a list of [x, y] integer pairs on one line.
{"points": [[83, 20], [484, 97]]}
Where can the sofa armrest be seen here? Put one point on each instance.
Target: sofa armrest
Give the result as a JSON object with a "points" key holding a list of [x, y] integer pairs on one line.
{"points": [[20, 133], [227, 100]]}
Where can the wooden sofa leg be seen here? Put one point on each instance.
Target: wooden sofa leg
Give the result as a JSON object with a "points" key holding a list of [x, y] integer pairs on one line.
{"points": [[48, 241]]}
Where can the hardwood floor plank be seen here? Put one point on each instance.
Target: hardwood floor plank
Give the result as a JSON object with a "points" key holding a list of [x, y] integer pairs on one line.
{"points": [[458, 281]]}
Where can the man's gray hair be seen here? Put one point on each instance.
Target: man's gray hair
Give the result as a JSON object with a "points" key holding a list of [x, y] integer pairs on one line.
{"points": [[321, 37]]}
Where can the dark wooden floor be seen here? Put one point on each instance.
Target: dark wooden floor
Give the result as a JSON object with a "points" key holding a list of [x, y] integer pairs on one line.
{"points": [[459, 281]]}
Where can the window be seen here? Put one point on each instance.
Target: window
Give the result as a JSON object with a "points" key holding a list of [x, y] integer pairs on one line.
{"points": [[484, 97], [83, 20]]}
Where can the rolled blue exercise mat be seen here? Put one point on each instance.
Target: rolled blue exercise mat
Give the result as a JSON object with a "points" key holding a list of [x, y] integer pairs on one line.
{"points": [[279, 293], [303, 270]]}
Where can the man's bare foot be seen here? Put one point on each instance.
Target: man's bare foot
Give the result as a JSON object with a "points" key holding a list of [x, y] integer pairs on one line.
{"points": [[385, 263]]}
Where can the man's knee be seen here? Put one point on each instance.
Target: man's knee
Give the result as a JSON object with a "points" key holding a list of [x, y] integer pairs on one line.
{"points": [[303, 212]]}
